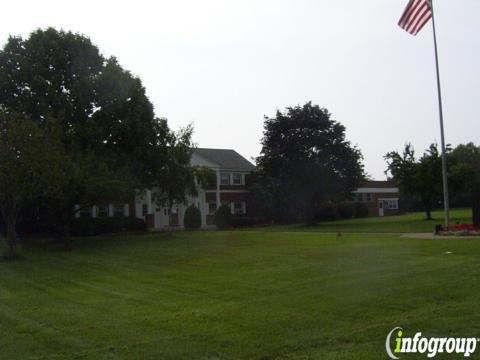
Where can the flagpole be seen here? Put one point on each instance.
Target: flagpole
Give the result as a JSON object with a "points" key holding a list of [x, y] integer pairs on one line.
{"points": [[442, 131]]}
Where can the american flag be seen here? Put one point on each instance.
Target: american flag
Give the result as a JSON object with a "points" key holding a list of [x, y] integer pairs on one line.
{"points": [[416, 15]]}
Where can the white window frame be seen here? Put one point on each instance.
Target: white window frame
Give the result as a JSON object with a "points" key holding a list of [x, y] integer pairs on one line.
{"points": [[99, 207], [240, 176], [222, 178], [86, 212], [241, 209], [390, 203]]}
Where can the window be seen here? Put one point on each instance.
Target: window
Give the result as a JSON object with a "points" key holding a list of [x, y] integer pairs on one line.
{"points": [[238, 208], [369, 197], [166, 211], [86, 212], [390, 204], [144, 209], [212, 207], [237, 179], [224, 179], [103, 211], [359, 197], [119, 210]]}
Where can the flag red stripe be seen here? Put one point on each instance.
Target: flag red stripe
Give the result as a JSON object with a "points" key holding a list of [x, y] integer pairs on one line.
{"points": [[424, 10], [422, 23], [405, 13], [411, 8], [415, 16]]}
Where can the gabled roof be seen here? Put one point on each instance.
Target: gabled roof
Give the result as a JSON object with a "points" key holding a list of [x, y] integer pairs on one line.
{"points": [[378, 184], [225, 159]]}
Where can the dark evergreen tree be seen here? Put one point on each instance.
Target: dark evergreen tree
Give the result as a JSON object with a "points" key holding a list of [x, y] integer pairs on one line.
{"points": [[305, 162]]}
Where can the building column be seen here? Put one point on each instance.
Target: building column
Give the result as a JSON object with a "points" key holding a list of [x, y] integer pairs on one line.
{"points": [[148, 198], [218, 189], [203, 207]]}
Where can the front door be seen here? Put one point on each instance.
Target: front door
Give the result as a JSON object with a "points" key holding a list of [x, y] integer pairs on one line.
{"points": [[174, 219], [380, 208]]}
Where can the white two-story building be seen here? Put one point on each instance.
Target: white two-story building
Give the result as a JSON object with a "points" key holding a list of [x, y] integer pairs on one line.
{"points": [[231, 171]]}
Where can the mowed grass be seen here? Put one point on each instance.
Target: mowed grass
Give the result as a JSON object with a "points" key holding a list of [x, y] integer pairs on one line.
{"points": [[236, 295], [408, 223]]}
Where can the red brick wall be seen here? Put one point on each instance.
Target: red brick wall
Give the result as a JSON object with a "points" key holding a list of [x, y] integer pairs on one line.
{"points": [[373, 204]]}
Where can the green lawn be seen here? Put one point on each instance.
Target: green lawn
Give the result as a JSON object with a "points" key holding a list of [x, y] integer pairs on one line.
{"points": [[409, 223], [260, 294]]}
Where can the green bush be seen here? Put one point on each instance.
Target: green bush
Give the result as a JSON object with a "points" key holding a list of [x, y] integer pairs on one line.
{"points": [[346, 210], [223, 217], [327, 212], [244, 221], [106, 225], [193, 218], [360, 210]]}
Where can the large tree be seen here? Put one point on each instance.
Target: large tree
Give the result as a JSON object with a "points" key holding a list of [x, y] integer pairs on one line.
{"points": [[109, 131], [306, 161], [32, 161], [466, 175], [420, 178]]}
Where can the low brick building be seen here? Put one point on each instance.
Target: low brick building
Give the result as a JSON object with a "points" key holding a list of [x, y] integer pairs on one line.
{"points": [[381, 197]]}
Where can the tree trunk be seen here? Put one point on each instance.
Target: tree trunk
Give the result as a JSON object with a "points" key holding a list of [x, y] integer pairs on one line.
{"points": [[428, 214], [427, 208], [476, 207]]}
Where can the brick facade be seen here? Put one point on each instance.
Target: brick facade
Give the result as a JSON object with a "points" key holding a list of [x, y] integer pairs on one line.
{"points": [[380, 197]]}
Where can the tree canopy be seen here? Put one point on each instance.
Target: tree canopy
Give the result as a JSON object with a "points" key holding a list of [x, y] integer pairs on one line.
{"points": [[109, 132], [32, 161], [465, 173], [420, 178], [306, 161]]}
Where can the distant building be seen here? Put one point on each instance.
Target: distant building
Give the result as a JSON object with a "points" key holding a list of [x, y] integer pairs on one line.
{"points": [[381, 197], [231, 171]]}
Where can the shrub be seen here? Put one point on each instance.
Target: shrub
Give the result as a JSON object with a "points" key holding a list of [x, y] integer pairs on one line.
{"points": [[223, 217], [361, 210], [346, 210], [193, 218], [327, 212], [243, 221], [107, 225]]}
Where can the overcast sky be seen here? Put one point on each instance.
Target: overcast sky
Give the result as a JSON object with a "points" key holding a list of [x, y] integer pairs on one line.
{"points": [[224, 64]]}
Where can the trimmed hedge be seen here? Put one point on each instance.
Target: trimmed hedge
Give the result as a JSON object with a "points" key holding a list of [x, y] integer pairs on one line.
{"points": [[193, 218], [361, 210], [223, 217], [346, 210], [244, 221], [107, 225], [327, 212]]}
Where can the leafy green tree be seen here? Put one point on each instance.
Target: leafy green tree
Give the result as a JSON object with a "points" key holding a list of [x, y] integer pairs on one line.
{"points": [[193, 218], [420, 178], [109, 130], [223, 217], [465, 174], [306, 161], [31, 162]]}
